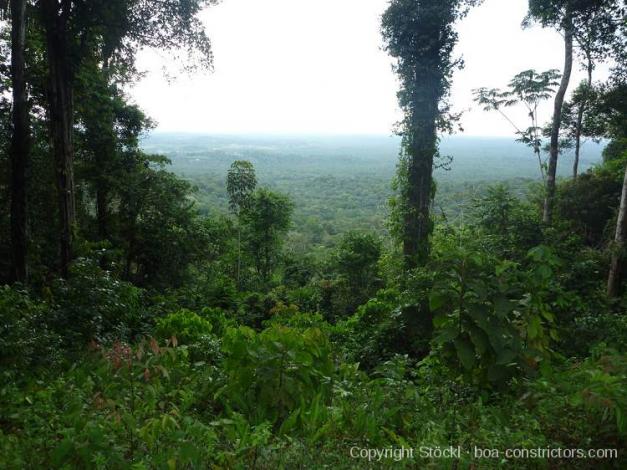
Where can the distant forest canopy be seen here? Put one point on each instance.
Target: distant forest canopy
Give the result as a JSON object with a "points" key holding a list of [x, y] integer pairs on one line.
{"points": [[473, 158], [342, 183]]}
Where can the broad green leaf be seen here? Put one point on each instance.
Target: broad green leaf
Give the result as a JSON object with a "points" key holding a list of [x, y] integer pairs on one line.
{"points": [[437, 299], [465, 353]]}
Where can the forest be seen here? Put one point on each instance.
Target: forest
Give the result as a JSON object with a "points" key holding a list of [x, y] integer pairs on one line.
{"points": [[419, 300]]}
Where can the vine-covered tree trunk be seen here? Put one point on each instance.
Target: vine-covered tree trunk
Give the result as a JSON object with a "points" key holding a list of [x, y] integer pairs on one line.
{"points": [[618, 258], [20, 143], [549, 202], [60, 115], [421, 149]]}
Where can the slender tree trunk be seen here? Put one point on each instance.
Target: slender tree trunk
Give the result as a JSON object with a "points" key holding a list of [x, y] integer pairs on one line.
{"points": [[618, 258], [20, 143], [104, 155], [61, 120], [102, 211], [239, 255], [557, 121], [580, 114]]}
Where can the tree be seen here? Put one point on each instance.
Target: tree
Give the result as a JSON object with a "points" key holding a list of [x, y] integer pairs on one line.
{"points": [[161, 232], [612, 109], [565, 16], [266, 219], [574, 122], [356, 263], [20, 142], [530, 89], [420, 36], [597, 35], [615, 276], [112, 32], [56, 20], [241, 182]]}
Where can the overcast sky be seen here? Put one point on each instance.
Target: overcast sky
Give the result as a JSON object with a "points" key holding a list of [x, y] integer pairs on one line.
{"points": [[316, 67]]}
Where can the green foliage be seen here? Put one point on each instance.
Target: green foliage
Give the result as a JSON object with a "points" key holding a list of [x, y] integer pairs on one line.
{"points": [[269, 374], [113, 308], [490, 318], [425, 75], [241, 182], [162, 233], [122, 405], [512, 227], [266, 220], [375, 332], [186, 326], [588, 398], [272, 362], [356, 263], [589, 204], [25, 336], [527, 89]]}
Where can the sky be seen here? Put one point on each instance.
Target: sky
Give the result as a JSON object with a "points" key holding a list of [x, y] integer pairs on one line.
{"points": [[317, 67]]}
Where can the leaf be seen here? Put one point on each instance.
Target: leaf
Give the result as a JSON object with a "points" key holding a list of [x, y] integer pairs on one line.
{"points": [[440, 320], [534, 328], [497, 373], [446, 335], [436, 300], [505, 356], [290, 422], [479, 339], [465, 353], [502, 307]]}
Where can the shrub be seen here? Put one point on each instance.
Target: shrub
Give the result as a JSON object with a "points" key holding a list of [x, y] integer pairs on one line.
{"points": [[92, 304], [25, 338], [269, 374], [188, 327]]}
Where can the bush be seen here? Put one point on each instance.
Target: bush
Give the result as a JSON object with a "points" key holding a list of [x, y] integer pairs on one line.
{"points": [[25, 338], [186, 326], [271, 373], [92, 304], [121, 407], [375, 332]]}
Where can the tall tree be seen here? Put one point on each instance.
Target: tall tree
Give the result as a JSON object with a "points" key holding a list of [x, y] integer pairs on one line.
{"points": [[111, 32], [20, 143], [241, 182], [267, 219], [618, 256], [56, 20], [565, 16], [419, 34]]}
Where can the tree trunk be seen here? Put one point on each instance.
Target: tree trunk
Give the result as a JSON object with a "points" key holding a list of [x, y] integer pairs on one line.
{"points": [[618, 258], [105, 137], [20, 143], [102, 211], [580, 114], [557, 120], [421, 147], [60, 112], [419, 190]]}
